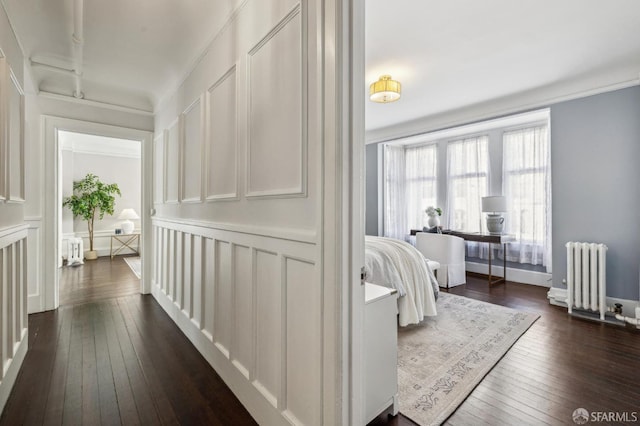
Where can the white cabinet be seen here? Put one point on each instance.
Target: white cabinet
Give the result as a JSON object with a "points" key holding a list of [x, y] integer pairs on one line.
{"points": [[380, 350]]}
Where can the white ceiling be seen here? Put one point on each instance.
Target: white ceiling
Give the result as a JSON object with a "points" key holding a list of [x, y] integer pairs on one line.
{"points": [[455, 53], [447, 54], [134, 51]]}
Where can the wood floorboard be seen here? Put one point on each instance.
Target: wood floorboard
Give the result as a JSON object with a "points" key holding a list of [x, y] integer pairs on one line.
{"points": [[108, 400], [103, 278], [116, 361], [561, 363], [72, 409], [57, 385]]}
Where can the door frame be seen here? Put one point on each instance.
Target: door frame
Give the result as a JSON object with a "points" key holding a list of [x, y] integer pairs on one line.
{"points": [[51, 125]]}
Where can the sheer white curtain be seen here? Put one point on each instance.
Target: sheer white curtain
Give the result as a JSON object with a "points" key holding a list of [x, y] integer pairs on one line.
{"points": [[467, 183], [395, 217], [527, 186], [421, 171], [410, 186]]}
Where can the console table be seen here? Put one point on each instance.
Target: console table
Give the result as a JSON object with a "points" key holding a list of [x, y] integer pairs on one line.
{"points": [[481, 237], [501, 239], [125, 241]]}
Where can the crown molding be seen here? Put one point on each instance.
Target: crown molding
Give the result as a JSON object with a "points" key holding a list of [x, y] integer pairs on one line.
{"points": [[96, 145]]}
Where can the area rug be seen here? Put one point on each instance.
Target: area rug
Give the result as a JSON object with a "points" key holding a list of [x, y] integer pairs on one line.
{"points": [[135, 265], [442, 359]]}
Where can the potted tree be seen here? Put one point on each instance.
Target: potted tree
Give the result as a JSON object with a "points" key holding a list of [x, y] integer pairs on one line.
{"points": [[92, 198]]}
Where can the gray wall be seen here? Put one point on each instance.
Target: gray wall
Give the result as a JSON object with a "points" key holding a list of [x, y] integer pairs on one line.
{"points": [[595, 151], [595, 155]]}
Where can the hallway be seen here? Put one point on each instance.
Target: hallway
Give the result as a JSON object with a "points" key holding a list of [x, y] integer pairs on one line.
{"points": [[103, 278], [116, 361]]}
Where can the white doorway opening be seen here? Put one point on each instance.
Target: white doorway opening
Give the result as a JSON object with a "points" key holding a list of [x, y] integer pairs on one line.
{"points": [[53, 128]]}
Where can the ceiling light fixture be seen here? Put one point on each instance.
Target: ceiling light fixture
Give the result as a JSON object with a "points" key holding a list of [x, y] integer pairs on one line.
{"points": [[384, 90]]}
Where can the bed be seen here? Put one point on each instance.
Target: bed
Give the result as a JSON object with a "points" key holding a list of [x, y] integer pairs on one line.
{"points": [[397, 264]]}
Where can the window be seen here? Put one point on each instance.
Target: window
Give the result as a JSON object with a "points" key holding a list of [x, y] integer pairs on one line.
{"points": [[467, 182], [507, 156], [410, 186], [527, 186], [421, 171]]}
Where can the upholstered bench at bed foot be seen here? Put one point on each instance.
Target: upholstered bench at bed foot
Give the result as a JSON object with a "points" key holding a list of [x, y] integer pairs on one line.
{"points": [[433, 265]]}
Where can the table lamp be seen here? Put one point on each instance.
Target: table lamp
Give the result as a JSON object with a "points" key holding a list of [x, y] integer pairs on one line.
{"points": [[494, 206], [127, 215]]}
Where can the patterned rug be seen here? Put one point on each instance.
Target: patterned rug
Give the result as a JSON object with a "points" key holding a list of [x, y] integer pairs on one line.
{"points": [[443, 358], [135, 265]]}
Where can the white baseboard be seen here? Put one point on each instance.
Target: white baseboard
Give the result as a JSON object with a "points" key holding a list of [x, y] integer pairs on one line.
{"points": [[542, 279], [558, 297]]}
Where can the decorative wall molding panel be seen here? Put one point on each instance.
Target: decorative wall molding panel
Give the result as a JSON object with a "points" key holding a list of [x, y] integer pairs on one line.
{"points": [[191, 152], [172, 163], [252, 305], [4, 142], [277, 112], [15, 133], [12, 156], [222, 139], [13, 306], [159, 144]]}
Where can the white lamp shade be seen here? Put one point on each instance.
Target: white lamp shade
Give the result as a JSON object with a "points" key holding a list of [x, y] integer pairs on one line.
{"points": [[128, 214], [494, 204]]}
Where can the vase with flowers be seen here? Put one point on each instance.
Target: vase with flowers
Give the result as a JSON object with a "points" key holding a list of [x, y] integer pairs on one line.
{"points": [[434, 214]]}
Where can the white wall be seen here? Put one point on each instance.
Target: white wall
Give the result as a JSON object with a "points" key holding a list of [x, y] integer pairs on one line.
{"points": [[239, 233], [13, 232], [121, 168]]}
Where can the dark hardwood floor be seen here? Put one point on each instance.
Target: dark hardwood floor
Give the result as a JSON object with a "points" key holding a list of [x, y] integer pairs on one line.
{"points": [[111, 356], [116, 361], [560, 364], [98, 279]]}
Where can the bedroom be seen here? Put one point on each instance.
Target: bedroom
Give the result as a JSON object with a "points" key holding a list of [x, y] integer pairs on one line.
{"points": [[578, 68]]}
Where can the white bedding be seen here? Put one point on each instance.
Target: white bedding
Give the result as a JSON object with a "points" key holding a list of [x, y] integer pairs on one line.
{"points": [[397, 264]]}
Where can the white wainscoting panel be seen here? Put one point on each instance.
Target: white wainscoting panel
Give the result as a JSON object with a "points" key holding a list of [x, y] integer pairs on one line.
{"points": [[268, 305], [252, 304], [35, 297], [197, 287], [13, 306], [172, 163], [223, 310], [277, 112], [192, 150], [304, 364], [222, 141], [244, 318]]}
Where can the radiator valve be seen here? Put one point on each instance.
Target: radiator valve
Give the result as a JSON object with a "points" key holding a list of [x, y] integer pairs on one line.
{"points": [[618, 309]]}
